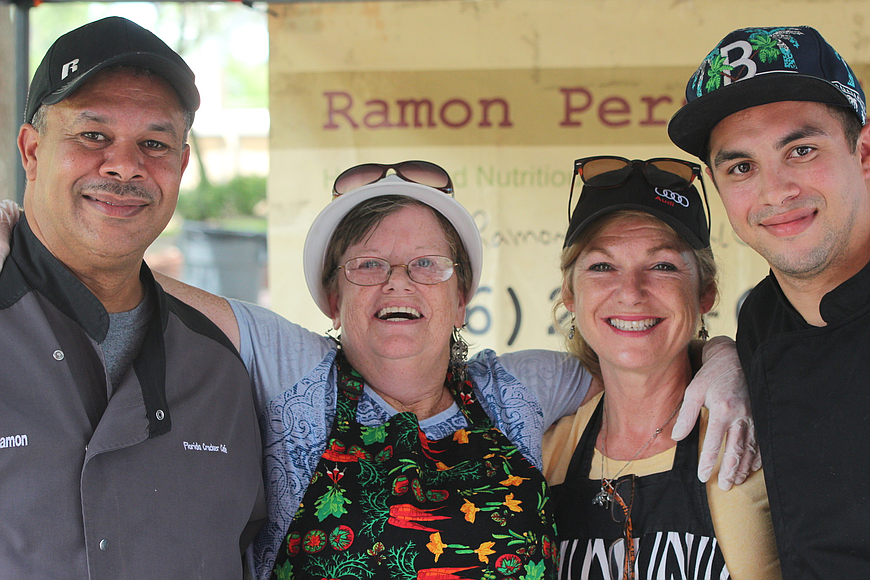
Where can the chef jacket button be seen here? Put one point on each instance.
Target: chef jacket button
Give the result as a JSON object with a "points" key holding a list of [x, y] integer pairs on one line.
{"points": [[58, 355], [104, 545]]}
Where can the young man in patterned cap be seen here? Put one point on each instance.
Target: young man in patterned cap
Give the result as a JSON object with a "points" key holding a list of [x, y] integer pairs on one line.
{"points": [[129, 444], [780, 120]]}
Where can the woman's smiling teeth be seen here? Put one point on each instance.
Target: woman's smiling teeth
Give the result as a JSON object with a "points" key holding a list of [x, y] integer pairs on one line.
{"points": [[398, 313], [633, 325]]}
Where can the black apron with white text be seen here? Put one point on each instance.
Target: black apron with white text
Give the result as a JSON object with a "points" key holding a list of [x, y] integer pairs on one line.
{"points": [[672, 528]]}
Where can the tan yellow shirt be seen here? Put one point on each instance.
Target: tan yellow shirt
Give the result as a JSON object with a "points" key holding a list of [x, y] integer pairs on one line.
{"points": [[741, 516]]}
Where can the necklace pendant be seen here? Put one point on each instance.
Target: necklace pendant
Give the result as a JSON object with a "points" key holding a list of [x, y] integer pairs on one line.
{"points": [[603, 498]]}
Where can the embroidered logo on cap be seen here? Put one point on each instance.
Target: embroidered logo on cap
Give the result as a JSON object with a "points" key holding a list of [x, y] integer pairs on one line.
{"points": [[762, 49], [854, 98], [671, 197], [752, 52], [70, 67]]}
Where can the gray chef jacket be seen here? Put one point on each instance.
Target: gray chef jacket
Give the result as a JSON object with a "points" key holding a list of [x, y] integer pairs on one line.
{"points": [[162, 480]]}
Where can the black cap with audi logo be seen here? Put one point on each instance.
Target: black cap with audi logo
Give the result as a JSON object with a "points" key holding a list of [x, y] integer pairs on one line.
{"points": [[78, 55], [681, 209]]}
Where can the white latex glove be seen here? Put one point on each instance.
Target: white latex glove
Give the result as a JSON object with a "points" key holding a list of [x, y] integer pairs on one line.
{"points": [[721, 387], [9, 214]]}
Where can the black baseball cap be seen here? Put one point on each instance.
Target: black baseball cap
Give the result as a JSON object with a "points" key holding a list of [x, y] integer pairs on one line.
{"points": [[683, 210], [79, 54], [757, 66]]}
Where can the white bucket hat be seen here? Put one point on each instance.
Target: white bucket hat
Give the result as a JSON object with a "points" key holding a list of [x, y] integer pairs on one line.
{"points": [[320, 233]]}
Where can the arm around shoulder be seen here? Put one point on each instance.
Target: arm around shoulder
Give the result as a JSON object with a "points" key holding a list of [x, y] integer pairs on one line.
{"points": [[216, 308], [558, 380], [744, 528]]}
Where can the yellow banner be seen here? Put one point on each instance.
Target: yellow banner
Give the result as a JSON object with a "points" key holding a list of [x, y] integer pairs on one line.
{"points": [[475, 107], [504, 95]]}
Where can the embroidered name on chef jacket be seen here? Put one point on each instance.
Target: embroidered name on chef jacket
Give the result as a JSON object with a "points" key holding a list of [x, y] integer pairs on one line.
{"points": [[13, 441], [204, 447]]}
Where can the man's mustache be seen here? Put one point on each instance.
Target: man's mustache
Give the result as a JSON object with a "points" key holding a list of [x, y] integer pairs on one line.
{"points": [[763, 214], [134, 190]]}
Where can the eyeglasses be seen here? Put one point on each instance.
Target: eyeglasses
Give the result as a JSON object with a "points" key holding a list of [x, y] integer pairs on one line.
{"points": [[420, 172], [369, 271], [605, 171], [621, 555]]}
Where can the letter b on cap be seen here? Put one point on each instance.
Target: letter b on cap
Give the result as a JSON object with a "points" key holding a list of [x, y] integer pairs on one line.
{"points": [[743, 60]]}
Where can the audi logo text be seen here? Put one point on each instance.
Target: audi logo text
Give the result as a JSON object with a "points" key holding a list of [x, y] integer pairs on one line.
{"points": [[673, 196]]}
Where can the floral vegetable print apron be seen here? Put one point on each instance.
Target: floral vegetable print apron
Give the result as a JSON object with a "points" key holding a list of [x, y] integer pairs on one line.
{"points": [[386, 502]]}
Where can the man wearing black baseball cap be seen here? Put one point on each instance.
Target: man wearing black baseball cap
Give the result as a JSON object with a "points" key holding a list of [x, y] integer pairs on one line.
{"points": [[780, 120], [129, 444]]}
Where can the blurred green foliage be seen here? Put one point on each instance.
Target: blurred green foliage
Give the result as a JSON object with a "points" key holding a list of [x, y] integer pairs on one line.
{"points": [[237, 197], [246, 84]]}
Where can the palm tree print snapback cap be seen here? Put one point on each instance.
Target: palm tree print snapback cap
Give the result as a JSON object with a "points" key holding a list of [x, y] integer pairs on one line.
{"points": [[757, 66]]}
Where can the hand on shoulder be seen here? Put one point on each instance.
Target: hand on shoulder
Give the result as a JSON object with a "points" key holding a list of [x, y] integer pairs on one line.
{"points": [[9, 214]]}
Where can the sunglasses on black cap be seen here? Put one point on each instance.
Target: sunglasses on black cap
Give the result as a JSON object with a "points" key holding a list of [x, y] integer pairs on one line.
{"points": [[604, 171], [419, 172]]}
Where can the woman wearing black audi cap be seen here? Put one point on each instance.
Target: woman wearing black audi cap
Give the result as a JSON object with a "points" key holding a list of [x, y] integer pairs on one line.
{"points": [[638, 274]]}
